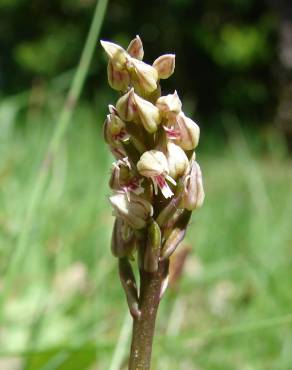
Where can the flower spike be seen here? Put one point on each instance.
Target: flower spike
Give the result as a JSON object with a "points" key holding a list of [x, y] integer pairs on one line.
{"points": [[155, 180]]}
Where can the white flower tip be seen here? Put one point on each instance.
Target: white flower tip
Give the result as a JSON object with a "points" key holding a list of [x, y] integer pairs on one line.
{"points": [[112, 109], [167, 192]]}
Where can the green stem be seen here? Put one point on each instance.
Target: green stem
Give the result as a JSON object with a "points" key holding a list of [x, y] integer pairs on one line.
{"points": [[144, 325], [61, 127]]}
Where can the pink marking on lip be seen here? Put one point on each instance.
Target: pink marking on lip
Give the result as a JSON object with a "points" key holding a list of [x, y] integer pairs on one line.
{"points": [[163, 186], [120, 136], [172, 133]]}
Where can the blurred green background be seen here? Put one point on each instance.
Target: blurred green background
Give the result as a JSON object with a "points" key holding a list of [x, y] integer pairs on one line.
{"points": [[61, 305]]}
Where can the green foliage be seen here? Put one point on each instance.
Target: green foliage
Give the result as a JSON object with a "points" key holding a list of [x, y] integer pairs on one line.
{"points": [[240, 46], [236, 46], [10, 3], [46, 56]]}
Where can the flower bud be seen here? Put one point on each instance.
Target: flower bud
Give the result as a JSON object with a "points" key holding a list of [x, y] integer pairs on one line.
{"points": [[116, 126], [117, 55], [118, 79], [132, 208], [123, 239], [128, 281], [135, 48], [189, 132], [153, 164], [169, 106], [126, 106], [193, 192], [143, 76], [165, 65], [114, 129], [176, 235], [148, 114], [178, 162]]}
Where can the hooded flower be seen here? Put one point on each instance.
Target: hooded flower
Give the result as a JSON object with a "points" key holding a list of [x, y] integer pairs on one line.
{"points": [[189, 132], [177, 160], [127, 68], [133, 209], [135, 48], [147, 113], [131, 107], [153, 164], [114, 128], [126, 106], [118, 76], [165, 65], [169, 106], [193, 193], [123, 178], [143, 76]]}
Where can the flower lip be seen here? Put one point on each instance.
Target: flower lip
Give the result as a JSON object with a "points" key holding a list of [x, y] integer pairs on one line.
{"points": [[171, 133]]}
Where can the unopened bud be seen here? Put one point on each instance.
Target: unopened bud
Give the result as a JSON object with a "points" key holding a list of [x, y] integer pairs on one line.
{"points": [[114, 128], [193, 192], [123, 239], [178, 162], [135, 48], [152, 251], [128, 281], [165, 65], [126, 106], [169, 106], [143, 76], [118, 79], [189, 132], [176, 235], [148, 114], [132, 208], [117, 55]]}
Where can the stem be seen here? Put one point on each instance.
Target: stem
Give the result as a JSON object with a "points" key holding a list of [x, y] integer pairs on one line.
{"points": [[144, 326]]}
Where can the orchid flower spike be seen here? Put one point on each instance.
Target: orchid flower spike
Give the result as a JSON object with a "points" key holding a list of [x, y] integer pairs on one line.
{"points": [[155, 180]]}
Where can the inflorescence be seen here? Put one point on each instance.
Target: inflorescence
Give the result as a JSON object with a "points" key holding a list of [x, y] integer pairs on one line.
{"points": [[156, 180]]}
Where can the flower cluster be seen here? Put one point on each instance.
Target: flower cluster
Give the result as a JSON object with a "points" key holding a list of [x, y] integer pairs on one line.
{"points": [[156, 180]]}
